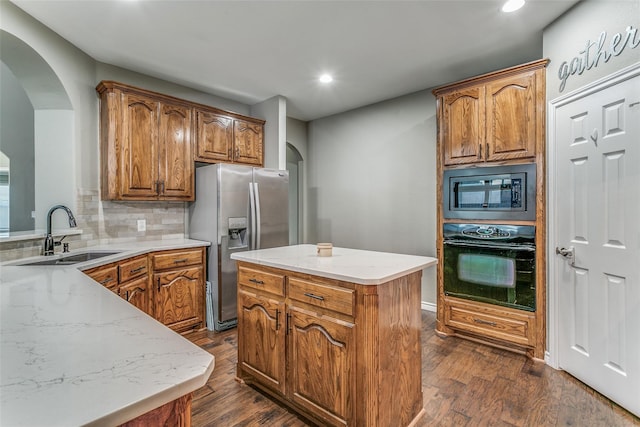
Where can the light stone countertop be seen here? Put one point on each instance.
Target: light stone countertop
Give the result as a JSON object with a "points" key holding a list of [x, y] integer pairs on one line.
{"points": [[74, 353], [350, 265]]}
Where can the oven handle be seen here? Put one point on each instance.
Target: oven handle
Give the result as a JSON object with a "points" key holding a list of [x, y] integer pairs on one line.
{"points": [[457, 243]]}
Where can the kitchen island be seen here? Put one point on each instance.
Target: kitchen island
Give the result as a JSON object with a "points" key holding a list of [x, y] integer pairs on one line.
{"points": [[335, 338], [74, 353]]}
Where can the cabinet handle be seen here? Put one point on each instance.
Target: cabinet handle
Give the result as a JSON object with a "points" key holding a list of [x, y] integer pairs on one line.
{"points": [[479, 151], [256, 281], [162, 186], [487, 150], [310, 295], [107, 280], [158, 284], [277, 319], [485, 322], [180, 261], [288, 323], [138, 289], [137, 270]]}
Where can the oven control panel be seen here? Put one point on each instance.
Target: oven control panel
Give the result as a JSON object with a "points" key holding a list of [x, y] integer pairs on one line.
{"points": [[486, 233]]}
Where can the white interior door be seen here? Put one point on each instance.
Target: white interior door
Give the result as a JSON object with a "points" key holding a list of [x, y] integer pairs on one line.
{"points": [[597, 201]]}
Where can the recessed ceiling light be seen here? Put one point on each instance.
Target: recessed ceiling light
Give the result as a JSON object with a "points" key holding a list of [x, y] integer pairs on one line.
{"points": [[512, 5], [326, 78]]}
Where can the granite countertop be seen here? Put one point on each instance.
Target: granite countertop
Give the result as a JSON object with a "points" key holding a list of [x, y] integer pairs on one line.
{"points": [[74, 353], [351, 265]]}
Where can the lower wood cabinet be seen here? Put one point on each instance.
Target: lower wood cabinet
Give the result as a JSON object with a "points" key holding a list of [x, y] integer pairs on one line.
{"points": [[178, 278], [322, 370], [262, 352], [320, 345], [168, 285]]}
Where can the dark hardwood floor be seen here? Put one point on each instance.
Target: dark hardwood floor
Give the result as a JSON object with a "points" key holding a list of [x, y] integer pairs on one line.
{"points": [[464, 384]]}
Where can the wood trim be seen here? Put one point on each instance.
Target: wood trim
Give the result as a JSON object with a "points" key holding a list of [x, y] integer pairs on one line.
{"points": [[540, 63], [107, 85]]}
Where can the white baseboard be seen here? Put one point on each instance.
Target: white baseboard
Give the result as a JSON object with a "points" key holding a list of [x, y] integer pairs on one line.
{"points": [[428, 306]]}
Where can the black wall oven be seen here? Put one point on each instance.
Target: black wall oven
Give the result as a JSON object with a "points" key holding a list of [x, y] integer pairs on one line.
{"points": [[491, 263]]}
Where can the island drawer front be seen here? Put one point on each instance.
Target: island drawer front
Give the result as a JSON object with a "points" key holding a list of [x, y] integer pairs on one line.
{"points": [[176, 259], [106, 276], [488, 321], [268, 282], [133, 268], [333, 298]]}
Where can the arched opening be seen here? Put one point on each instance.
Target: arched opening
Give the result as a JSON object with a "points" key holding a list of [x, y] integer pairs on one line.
{"points": [[36, 134], [295, 167]]}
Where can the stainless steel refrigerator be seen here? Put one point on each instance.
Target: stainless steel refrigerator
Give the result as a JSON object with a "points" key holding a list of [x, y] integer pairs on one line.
{"points": [[237, 208]]}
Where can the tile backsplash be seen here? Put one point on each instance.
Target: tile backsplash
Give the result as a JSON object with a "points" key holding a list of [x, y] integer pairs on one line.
{"points": [[107, 222]]}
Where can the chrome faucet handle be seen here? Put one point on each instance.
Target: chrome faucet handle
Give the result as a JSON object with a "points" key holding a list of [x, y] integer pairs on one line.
{"points": [[65, 247]]}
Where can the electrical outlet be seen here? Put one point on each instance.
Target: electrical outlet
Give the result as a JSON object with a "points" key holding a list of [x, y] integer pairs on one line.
{"points": [[142, 225]]}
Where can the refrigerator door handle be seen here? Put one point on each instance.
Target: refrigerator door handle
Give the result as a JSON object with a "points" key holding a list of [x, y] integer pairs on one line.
{"points": [[256, 194], [252, 215]]}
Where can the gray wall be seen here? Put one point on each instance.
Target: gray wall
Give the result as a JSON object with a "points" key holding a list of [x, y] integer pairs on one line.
{"points": [[372, 179], [568, 36], [16, 142]]}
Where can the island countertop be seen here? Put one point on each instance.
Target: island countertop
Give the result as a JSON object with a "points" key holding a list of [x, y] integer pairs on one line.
{"points": [[74, 353], [351, 265]]}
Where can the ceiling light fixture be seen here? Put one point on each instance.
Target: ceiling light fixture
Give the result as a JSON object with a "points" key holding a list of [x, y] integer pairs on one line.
{"points": [[326, 78], [512, 5]]}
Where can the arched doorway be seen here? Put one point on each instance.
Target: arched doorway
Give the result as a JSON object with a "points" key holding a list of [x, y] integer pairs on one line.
{"points": [[294, 166]]}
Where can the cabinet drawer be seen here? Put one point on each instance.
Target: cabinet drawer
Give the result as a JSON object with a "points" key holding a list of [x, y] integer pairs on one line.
{"points": [[106, 276], [177, 259], [133, 268], [268, 282], [508, 325], [333, 298]]}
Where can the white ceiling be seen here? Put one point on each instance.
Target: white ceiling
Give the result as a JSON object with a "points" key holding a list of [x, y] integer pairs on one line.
{"points": [[250, 51]]}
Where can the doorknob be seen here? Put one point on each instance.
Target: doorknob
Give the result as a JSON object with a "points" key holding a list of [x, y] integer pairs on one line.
{"points": [[567, 253]]}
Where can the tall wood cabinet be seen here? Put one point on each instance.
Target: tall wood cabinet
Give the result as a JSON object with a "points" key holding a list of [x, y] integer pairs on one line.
{"points": [[340, 353], [495, 119]]}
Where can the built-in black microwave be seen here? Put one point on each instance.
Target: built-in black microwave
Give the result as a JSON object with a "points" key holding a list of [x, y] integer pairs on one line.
{"points": [[497, 192]]}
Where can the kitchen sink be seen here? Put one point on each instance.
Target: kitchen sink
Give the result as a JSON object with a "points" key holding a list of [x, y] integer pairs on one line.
{"points": [[72, 258]]}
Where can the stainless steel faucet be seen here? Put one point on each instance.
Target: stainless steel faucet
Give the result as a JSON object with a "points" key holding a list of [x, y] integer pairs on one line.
{"points": [[49, 243]]}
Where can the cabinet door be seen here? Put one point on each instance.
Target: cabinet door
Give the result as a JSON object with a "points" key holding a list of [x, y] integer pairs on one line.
{"points": [[136, 292], [178, 299], [139, 156], [214, 137], [175, 173], [463, 126], [248, 141], [322, 366], [511, 117], [261, 350]]}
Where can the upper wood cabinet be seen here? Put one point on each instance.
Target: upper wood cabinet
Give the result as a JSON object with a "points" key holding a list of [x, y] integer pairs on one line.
{"points": [[145, 145], [493, 117], [149, 141], [224, 137]]}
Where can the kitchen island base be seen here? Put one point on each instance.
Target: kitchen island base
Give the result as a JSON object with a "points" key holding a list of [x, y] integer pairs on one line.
{"points": [[337, 352]]}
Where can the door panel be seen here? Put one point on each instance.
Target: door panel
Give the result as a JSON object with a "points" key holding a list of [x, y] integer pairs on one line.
{"points": [[273, 190], [598, 207], [139, 156], [176, 172]]}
